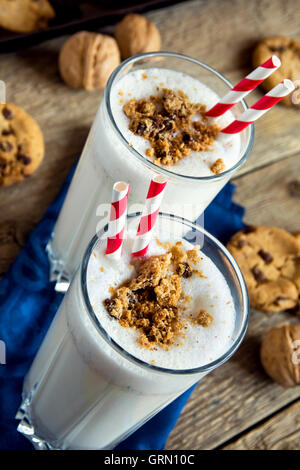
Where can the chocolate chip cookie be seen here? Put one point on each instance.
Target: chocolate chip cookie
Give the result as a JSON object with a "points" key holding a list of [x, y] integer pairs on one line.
{"points": [[21, 144], [269, 259], [289, 52], [25, 16]]}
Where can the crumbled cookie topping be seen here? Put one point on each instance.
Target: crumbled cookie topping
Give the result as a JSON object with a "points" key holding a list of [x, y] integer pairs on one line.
{"points": [[204, 319], [153, 301], [165, 120], [218, 166]]}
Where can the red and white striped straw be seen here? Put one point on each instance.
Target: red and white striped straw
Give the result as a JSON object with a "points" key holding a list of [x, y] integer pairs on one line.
{"points": [[117, 219], [149, 216], [244, 87], [260, 107]]}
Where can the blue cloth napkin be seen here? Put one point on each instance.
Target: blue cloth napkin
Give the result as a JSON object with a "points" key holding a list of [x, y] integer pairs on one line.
{"points": [[28, 304]]}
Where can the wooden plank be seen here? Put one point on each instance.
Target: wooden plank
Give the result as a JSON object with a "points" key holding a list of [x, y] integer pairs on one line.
{"points": [[228, 49], [271, 195], [234, 397], [239, 394], [224, 33], [281, 432]]}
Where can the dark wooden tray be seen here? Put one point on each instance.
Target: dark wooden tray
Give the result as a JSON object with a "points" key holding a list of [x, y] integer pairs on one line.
{"points": [[75, 15]]}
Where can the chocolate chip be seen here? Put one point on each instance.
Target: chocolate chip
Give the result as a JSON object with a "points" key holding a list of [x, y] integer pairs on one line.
{"points": [[3, 164], [266, 256], [158, 123], [168, 125], [160, 154], [7, 132], [107, 302], [6, 146], [249, 229], [258, 274], [7, 113], [186, 138], [141, 128], [188, 272], [132, 300], [241, 243], [24, 158], [109, 305]]}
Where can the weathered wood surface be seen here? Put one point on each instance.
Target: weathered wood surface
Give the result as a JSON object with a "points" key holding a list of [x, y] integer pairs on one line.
{"points": [[271, 194], [221, 33], [281, 432], [236, 396]]}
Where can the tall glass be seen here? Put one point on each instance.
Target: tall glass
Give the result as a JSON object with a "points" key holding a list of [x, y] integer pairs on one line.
{"points": [[83, 390], [107, 157]]}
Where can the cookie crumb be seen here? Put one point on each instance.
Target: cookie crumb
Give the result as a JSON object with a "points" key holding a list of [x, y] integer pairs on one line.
{"points": [[158, 242], [218, 166], [153, 301], [204, 319], [150, 152], [166, 120], [193, 255]]}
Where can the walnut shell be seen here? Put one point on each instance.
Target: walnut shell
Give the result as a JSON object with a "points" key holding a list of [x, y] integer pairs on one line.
{"points": [[280, 355], [136, 34], [86, 60]]}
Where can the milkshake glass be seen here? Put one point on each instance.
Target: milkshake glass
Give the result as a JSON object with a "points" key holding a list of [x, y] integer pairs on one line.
{"points": [[108, 156], [84, 390]]}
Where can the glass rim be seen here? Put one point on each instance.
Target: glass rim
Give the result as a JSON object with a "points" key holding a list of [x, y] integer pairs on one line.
{"points": [[148, 162], [145, 365]]}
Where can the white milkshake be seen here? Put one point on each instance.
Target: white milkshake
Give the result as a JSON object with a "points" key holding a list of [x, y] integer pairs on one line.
{"points": [[112, 152], [148, 82], [92, 384]]}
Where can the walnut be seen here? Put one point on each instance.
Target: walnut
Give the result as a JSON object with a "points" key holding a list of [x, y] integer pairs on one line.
{"points": [[86, 60], [136, 34], [280, 355]]}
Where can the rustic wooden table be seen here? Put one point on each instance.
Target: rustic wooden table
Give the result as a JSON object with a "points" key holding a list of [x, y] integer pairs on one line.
{"points": [[237, 406]]}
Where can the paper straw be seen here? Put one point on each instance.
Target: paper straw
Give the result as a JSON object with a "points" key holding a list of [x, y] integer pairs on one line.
{"points": [[149, 216], [117, 219], [260, 107], [244, 87]]}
